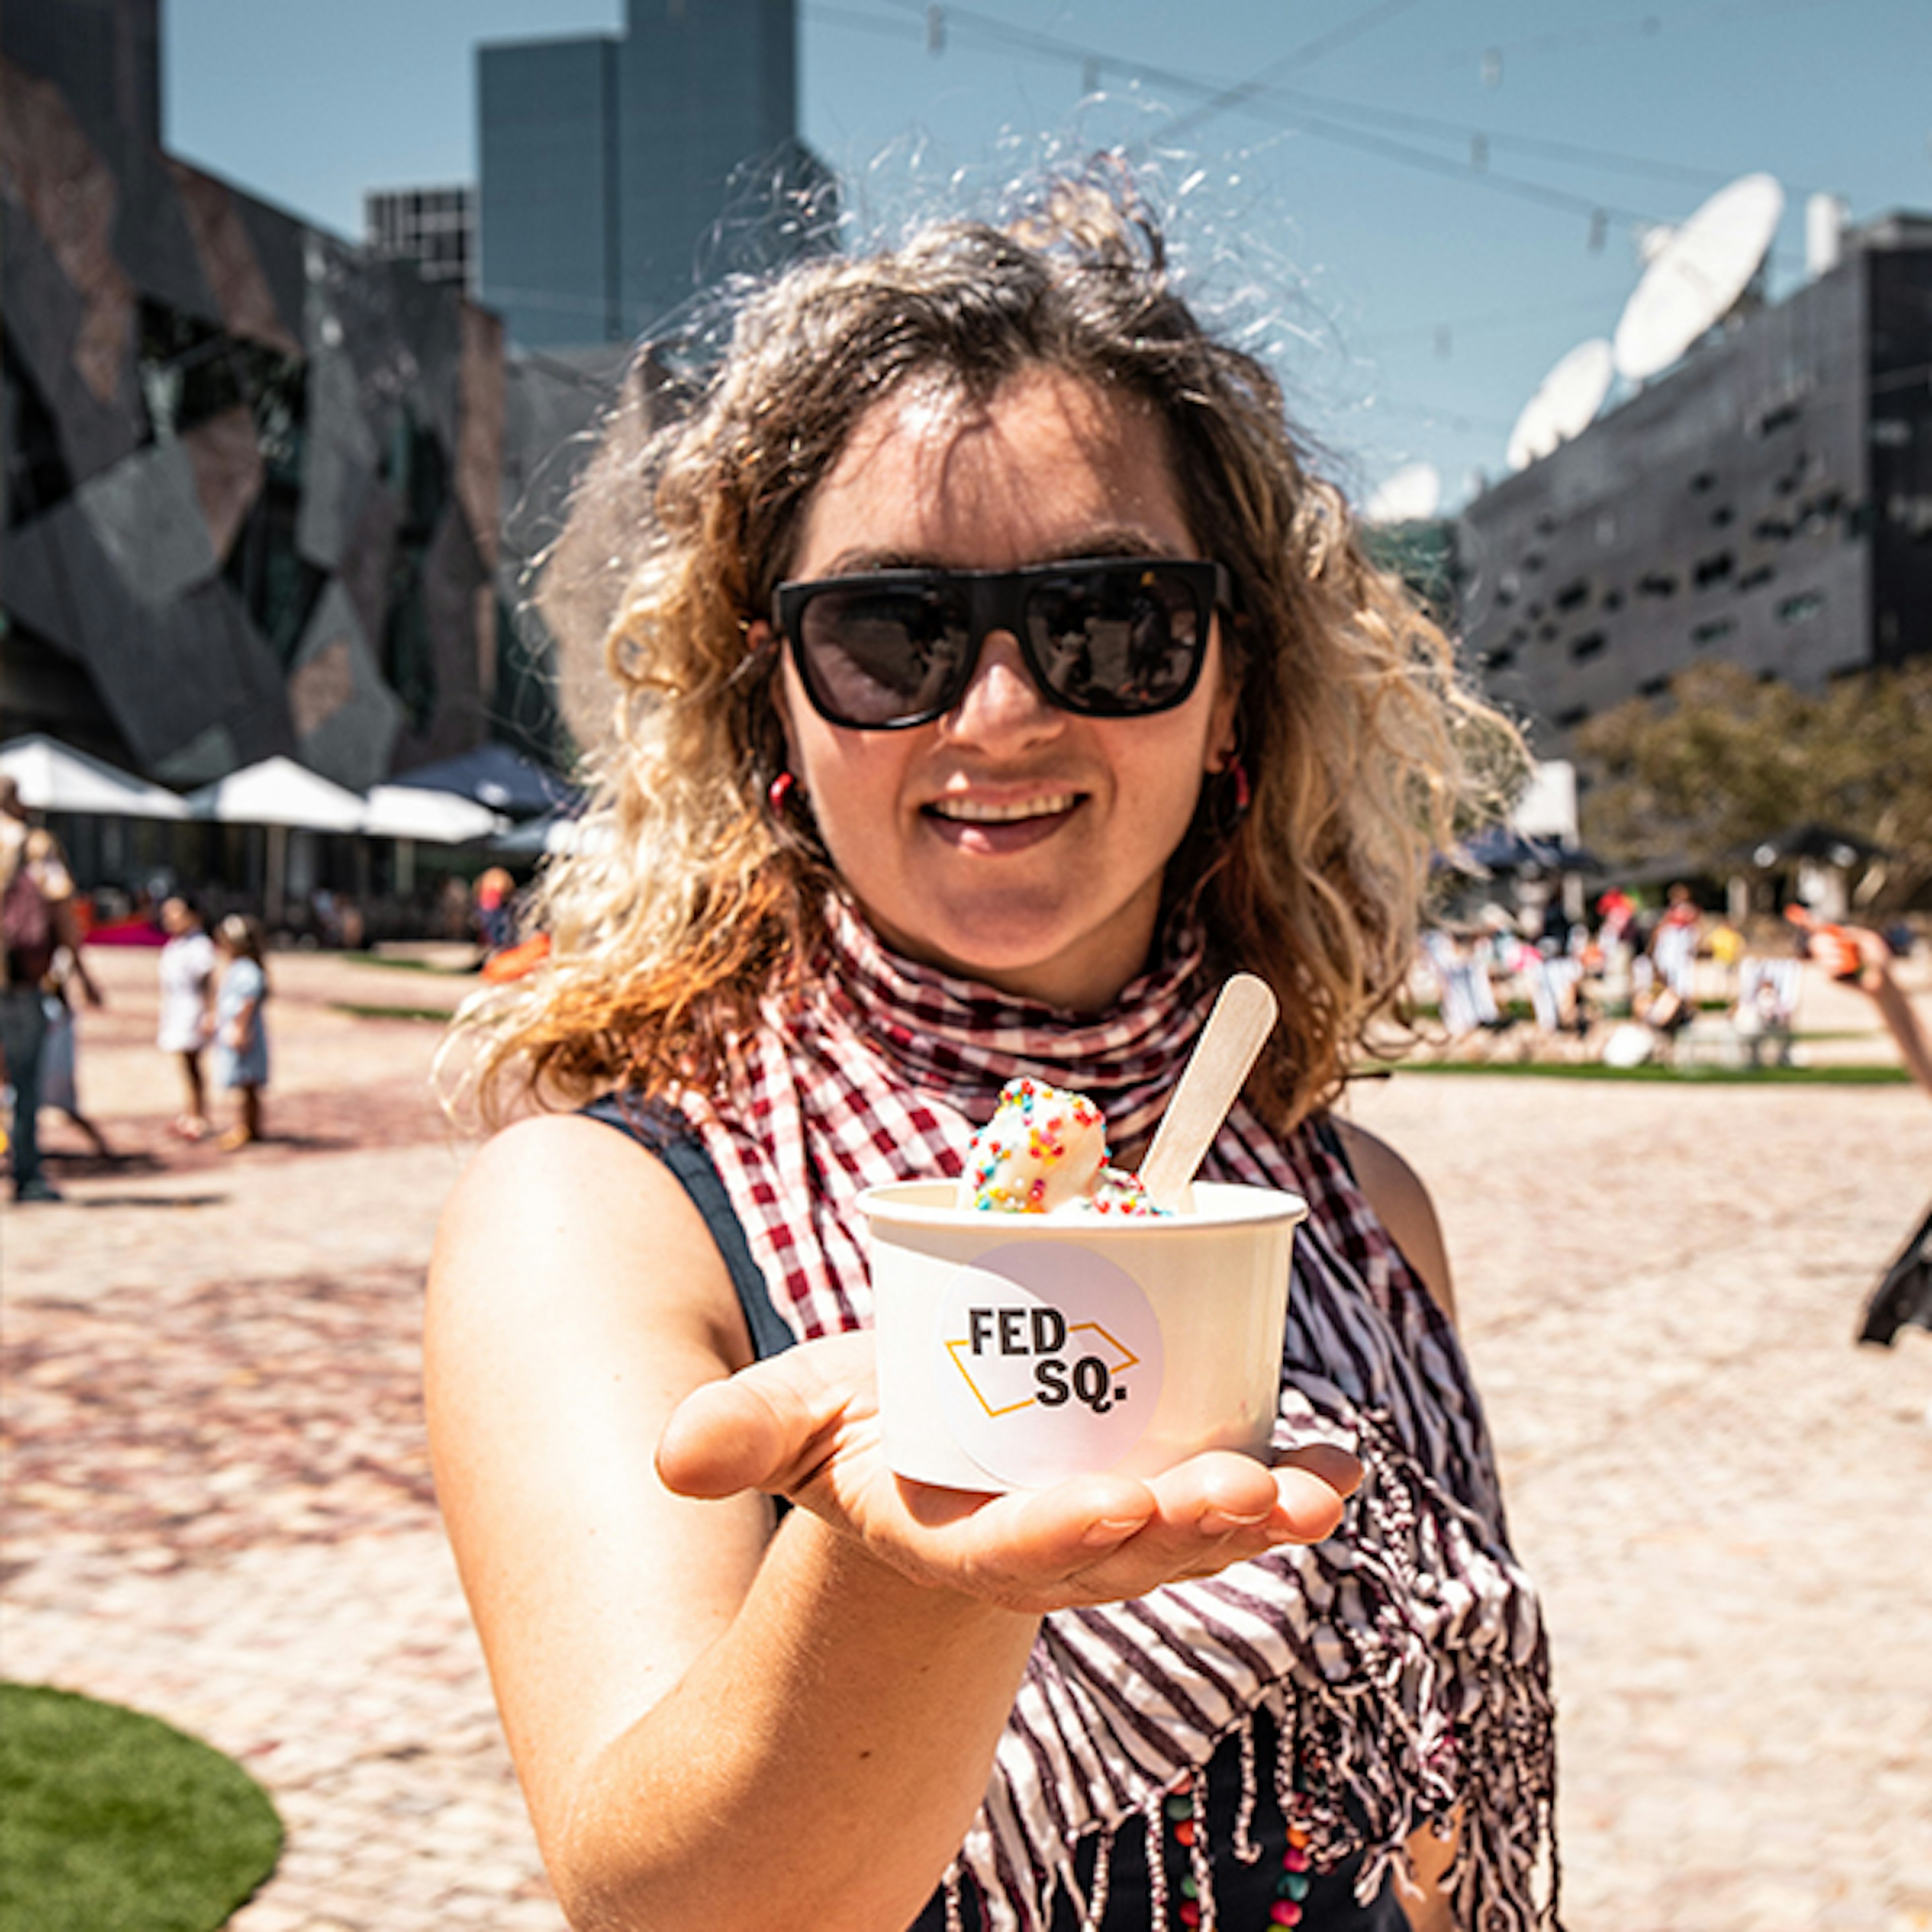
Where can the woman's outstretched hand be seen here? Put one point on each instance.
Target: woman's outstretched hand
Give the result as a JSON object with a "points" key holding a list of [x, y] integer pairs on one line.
{"points": [[805, 1425]]}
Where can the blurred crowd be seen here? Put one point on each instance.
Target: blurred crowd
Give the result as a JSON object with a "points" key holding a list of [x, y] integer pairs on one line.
{"points": [[211, 950], [1668, 983]]}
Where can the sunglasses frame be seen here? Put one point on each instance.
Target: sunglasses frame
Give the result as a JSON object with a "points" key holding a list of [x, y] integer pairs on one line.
{"points": [[996, 600]]}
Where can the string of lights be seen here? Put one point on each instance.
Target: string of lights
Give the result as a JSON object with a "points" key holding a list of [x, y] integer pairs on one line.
{"points": [[1323, 116]]}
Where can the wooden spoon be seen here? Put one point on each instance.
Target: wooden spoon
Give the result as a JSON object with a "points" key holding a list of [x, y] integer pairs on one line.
{"points": [[1237, 1030]]}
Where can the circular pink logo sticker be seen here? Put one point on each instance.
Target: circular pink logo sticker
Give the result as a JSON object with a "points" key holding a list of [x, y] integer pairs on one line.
{"points": [[1053, 1361]]}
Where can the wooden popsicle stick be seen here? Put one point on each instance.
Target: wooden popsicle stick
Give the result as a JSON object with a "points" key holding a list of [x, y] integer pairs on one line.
{"points": [[1237, 1030]]}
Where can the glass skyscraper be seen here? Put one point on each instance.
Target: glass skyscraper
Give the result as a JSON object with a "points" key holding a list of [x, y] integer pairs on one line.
{"points": [[618, 174]]}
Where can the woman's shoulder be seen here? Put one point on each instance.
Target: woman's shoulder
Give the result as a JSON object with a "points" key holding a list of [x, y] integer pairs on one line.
{"points": [[566, 1154], [1401, 1202], [561, 1197]]}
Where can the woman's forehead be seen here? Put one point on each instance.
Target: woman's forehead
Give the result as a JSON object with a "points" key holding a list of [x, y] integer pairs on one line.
{"points": [[932, 474]]}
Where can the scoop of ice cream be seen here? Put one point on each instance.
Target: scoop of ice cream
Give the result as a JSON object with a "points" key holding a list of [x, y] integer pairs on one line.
{"points": [[1045, 1152], [1116, 1190]]}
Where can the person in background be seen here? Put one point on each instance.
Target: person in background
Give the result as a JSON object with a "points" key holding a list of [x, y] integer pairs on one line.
{"points": [[60, 1087], [453, 908], [495, 910], [32, 876], [188, 969], [1855, 956], [241, 1037], [1673, 946], [1727, 948]]}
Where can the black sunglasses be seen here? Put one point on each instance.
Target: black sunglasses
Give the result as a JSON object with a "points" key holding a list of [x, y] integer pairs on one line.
{"points": [[1106, 637]]}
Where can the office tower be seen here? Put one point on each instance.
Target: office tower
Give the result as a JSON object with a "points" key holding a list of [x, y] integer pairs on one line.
{"points": [[433, 227], [618, 174], [104, 56]]}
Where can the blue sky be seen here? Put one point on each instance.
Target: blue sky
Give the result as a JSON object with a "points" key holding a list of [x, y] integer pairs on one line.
{"points": [[1405, 190]]}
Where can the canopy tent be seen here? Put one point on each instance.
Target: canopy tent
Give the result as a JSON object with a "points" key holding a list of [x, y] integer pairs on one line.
{"points": [[1823, 844], [557, 831], [278, 792], [1501, 848], [54, 777], [1821, 858], [283, 796], [493, 775], [440, 817]]}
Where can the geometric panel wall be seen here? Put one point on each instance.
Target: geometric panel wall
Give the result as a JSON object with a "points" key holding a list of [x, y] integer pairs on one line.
{"points": [[252, 479]]}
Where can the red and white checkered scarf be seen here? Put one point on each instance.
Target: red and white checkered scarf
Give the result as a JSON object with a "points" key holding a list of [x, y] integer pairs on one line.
{"points": [[1403, 1661]]}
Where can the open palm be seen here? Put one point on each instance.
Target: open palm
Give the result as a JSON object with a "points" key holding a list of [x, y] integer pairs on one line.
{"points": [[805, 1425]]}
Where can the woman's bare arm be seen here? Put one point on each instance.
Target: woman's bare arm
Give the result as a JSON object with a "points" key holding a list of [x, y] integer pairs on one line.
{"points": [[708, 1717]]}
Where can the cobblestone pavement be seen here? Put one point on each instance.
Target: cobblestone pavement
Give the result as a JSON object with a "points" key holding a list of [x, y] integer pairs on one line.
{"points": [[219, 1507]]}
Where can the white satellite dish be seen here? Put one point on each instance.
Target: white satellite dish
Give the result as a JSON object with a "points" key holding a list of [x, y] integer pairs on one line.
{"points": [[1411, 495], [1698, 275], [1565, 402]]}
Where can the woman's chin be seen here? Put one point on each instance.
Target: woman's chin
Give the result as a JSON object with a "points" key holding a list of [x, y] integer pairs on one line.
{"points": [[1048, 955]]}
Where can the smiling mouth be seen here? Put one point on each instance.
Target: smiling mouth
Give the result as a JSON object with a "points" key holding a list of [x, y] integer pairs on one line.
{"points": [[971, 812]]}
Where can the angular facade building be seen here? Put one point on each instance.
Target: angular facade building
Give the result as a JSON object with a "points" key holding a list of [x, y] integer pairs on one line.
{"points": [[1767, 503], [619, 174], [252, 475]]}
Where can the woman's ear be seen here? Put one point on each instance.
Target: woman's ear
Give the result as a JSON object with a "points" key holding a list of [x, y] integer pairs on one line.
{"points": [[760, 637], [1224, 741]]}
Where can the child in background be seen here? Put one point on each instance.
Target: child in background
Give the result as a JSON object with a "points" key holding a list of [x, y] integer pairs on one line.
{"points": [[188, 966], [241, 1040]]}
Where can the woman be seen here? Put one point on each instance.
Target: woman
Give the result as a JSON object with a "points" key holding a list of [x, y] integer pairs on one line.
{"points": [[992, 680], [187, 969], [240, 1038]]}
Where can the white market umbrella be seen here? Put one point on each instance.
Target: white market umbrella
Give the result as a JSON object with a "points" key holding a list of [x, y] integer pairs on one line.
{"points": [[558, 832], [278, 792], [53, 777], [440, 817], [284, 797]]}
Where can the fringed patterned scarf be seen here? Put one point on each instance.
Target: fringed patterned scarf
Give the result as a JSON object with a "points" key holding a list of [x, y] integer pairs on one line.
{"points": [[1402, 1661]]}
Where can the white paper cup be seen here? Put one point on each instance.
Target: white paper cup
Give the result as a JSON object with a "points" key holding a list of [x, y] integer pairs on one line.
{"points": [[1015, 1350]]}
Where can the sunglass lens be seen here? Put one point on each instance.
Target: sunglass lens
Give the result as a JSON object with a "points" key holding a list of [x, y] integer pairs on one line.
{"points": [[1116, 642], [876, 656]]}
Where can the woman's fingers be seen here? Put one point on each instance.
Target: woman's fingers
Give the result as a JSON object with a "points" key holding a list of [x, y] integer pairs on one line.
{"points": [[1311, 1476], [804, 1424], [1097, 1539]]}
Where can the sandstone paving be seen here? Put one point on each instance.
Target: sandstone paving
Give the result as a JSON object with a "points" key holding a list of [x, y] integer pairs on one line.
{"points": [[219, 1507], [1724, 1501]]}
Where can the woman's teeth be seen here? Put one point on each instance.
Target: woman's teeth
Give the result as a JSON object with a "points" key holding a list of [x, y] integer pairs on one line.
{"points": [[970, 812]]}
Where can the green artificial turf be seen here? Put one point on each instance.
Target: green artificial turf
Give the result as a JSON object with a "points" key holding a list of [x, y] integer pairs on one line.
{"points": [[391, 962], [113, 1822]]}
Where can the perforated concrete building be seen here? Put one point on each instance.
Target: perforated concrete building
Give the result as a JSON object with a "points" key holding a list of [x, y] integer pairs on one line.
{"points": [[1768, 501], [252, 475]]}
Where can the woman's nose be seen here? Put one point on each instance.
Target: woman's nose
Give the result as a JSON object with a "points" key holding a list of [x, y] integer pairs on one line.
{"points": [[1002, 702]]}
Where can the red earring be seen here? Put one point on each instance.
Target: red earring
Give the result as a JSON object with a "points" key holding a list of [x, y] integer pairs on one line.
{"points": [[778, 793], [1244, 795]]}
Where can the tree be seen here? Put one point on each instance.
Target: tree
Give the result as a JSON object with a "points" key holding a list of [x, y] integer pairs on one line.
{"points": [[1724, 759]]}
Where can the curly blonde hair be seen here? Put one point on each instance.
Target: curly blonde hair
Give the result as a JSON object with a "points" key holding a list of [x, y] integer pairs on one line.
{"points": [[688, 904]]}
